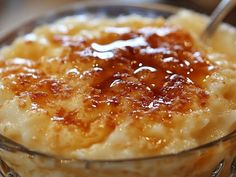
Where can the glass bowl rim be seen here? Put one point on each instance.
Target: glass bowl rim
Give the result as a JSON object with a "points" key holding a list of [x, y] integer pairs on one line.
{"points": [[12, 146]]}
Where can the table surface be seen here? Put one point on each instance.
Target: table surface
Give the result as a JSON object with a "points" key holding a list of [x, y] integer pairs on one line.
{"points": [[15, 12]]}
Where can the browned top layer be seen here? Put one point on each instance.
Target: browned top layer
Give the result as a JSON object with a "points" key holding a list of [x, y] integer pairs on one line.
{"points": [[150, 70]]}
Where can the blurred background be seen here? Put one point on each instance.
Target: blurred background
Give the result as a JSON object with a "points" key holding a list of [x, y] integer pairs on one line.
{"points": [[15, 12]]}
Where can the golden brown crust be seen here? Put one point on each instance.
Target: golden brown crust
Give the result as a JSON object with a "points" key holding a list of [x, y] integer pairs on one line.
{"points": [[154, 69]]}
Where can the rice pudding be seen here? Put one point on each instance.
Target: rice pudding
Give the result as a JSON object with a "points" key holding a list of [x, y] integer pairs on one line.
{"points": [[117, 88]]}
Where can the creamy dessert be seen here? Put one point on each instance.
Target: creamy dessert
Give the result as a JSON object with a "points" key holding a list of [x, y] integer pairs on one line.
{"points": [[117, 88]]}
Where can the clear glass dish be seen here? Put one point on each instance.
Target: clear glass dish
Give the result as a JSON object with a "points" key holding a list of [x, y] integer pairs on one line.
{"points": [[214, 159]]}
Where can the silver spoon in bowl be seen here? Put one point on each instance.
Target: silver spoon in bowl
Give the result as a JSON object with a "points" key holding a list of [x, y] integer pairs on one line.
{"points": [[220, 12]]}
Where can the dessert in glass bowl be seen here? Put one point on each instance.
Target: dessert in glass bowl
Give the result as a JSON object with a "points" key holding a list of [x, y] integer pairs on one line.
{"points": [[118, 90]]}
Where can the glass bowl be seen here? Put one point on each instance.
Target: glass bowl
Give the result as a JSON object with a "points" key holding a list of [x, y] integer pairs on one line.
{"points": [[215, 159]]}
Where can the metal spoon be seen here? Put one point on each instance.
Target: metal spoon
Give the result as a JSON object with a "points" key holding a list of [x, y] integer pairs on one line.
{"points": [[220, 12]]}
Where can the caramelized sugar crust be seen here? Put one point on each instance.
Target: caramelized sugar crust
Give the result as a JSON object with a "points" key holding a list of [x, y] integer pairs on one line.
{"points": [[145, 75]]}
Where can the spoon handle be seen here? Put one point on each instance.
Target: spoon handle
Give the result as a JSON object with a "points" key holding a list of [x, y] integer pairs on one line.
{"points": [[224, 7]]}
